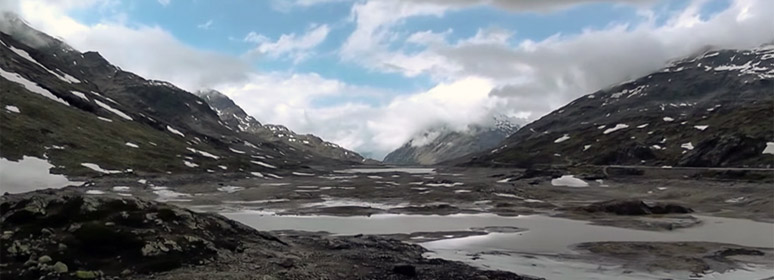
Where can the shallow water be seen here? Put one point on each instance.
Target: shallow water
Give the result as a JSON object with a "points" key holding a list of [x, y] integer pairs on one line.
{"points": [[408, 170], [29, 174], [533, 251], [544, 235]]}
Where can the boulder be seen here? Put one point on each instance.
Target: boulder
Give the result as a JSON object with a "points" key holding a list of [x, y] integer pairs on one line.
{"points": [[405, 269], [634, 208]]}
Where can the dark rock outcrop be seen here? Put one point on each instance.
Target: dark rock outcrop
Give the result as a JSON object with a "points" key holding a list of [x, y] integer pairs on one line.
{"points": [[110, 235], [65, 234], [634, 208]]}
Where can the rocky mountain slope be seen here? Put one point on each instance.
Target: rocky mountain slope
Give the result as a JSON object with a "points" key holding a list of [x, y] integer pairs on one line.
{"points": [[442, 143], [715, 109], [236, 118], [87, 117]]}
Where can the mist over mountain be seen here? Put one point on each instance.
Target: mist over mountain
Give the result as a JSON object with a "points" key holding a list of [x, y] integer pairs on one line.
{"points": [[443, 143]]}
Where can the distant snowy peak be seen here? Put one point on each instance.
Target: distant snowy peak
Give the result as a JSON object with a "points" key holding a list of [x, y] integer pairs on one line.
{"points": [[443, 143]]}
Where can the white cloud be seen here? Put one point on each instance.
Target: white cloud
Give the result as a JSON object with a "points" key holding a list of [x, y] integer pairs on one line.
{"points": [[206, 25], [374, 19], [149, 51], [540, 6], [287, 99], [538, 76], [428, 37], [165, 2], [295, 46], [289, 5]]}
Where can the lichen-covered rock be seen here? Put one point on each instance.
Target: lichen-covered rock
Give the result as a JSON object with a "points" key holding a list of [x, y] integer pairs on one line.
{"points": [[131, 238], [109, 234], [60, 267]]}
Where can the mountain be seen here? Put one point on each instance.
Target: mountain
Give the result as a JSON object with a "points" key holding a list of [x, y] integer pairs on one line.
{"points": [[714, 109], [236, 119], [442, 143], [86, 116]]}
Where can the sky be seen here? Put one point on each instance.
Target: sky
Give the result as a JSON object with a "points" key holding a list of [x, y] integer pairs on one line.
{"points": [[371, 74]]}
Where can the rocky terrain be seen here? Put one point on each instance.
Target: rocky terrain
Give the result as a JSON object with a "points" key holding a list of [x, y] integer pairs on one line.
{"points": [[236, 118], [68, 235], [440, 144], [711, 110], [645, 199]]}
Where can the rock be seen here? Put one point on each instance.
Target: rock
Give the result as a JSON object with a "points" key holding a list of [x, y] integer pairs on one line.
{"points": [[541, 172], [84, 274], [738, 252], [73, 227], [622, 171], [213, 246], [634, 208], [44, 259], [7, 235], [288, 262], [405, 269], [30, 262], [18, 249], [60, 267]]}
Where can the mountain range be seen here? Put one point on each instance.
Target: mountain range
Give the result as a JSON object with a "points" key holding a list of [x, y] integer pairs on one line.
{"points": [[86, 116], [236, 119], [713, 109]]}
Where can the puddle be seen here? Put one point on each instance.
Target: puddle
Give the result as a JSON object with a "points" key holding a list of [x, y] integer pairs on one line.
{"points": [[556, 235], [344, 202], [544, 235], [29, 174], [388, 170], [530, 252]]}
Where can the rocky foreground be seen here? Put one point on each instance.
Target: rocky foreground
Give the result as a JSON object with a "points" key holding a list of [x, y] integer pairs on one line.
{"points": [[63, 234]]}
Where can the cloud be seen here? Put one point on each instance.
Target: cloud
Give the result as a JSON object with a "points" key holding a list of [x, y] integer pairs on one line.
{"points": [[206, 26], [287, 99], [149, 51], [288, 5], [541, 6], [428, 37], [374, 20], [536, 77], [294, 46], [165, 2], [9, 6]]}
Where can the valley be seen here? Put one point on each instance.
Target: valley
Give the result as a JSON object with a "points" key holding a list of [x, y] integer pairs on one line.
{"points": [[106, 174], [514, 220]]}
